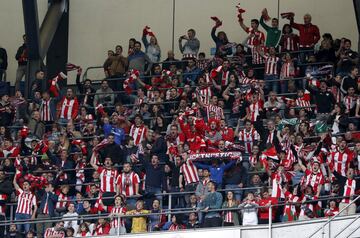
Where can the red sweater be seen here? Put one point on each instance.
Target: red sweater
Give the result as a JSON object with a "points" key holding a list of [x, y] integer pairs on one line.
{"points": [[264, 212], [309, 34]]}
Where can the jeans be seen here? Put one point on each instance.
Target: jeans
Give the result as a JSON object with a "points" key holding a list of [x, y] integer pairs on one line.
{"points": [[271, 86], [22, 228], [153, 190], [237, 193], [283, 86], [212, 222]]}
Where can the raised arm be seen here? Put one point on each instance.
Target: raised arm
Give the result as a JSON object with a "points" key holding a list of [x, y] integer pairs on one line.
{"points": [[243, 26], [16, 185], [92, 162], [263, 24]]}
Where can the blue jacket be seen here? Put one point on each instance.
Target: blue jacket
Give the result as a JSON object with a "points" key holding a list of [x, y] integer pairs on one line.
{"points": [[52, 200], [119, 133], [213, 201], [216, 173]]}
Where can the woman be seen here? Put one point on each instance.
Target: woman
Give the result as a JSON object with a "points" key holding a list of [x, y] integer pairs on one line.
{"points": [[175, 224], [231, 218], [152, 49], [338, 120], [249, 209], [222, 43], [117, 223], [159, 124], [83, 230], [289, 41]]}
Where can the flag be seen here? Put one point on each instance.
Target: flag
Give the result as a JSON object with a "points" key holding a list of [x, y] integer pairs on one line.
{"points": [[271, 153], [71, 67]]}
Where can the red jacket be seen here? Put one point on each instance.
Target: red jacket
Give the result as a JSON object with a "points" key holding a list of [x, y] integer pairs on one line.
{"points": [[309, 34], [264, 212]]}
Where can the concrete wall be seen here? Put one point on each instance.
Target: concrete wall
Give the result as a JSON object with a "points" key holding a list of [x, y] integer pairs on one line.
{"points": [[96, 26]]}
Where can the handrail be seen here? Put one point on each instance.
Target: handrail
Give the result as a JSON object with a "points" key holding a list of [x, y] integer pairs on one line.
{"points": [[163, 212], [332, 218], [347, 226]]}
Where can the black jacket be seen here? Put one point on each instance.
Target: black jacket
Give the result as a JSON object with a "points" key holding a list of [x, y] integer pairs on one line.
{"points": [[3, 59]]}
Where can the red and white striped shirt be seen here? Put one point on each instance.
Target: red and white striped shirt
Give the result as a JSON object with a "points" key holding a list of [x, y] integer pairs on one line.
{"points": [[340, 161], [128, 182], [287, 70], [69, 108], [271, 137], [313, 180], [107, 179], [254, 109], [3, 198], [290, 42], [52, 233], [189, 171], [349, 102], [63, 200], [256, 56], [257, 38], [138, 133], [349, 190], [219, 113], [229, 217], [301, 102], [205, 94], [271, 63], [26, 200], [276, 191], [116, 222], [45, 112], [249, 137]]}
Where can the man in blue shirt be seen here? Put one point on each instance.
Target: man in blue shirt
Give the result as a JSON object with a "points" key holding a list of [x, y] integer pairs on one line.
{"points": [[216, 170], [115, 129]]}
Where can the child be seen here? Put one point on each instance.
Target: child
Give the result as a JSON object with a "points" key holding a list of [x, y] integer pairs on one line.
{"points": [[249, 209], [138, 223], [118, 224]]}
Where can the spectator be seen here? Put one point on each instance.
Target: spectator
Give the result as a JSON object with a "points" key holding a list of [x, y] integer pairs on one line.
{"points": [[83, 230], [273, 33], [22, 59], [289, 41], [152, 48], [221, 41], [118, 223], [3, 62], [175, 224], [231, 217], [104, 96], [46, 209], [118, 63], [309, 34], [216, 170], [138, 60], [193, 222], [346, 57], [156, 222], [249, 209], [191, 47], [26, 208], [13, 233], [170, 60], [213, 200], [36, 125], [138, 222], [70, 218]]}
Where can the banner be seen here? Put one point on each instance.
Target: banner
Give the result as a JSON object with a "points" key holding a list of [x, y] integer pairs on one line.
{"points": [[217, 155]]}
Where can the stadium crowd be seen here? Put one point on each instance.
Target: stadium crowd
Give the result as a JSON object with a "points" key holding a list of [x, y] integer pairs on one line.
{"points": [[272, 120]]}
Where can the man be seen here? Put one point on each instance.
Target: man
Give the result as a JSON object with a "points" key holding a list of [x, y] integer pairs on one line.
{"points": [[6, 111], [155, 176], [69, 107], [138, 130], [86, 90], [108, 175], [273, 33], [38, 83], [191, 47], [139, 59], [212, 107], [271, 71], [159, 146], [189, 174], [118, 63], [236, 178], [313, 177], [46, 209], [104, 95], [256, 37], [347, 57], [3, 62], [47, 108], [324, 99], [128, 183], [351, 80], [216, 170], [36, 125], [191, 72], [213, 200], [64, 162], [340, 160], [22, 59], [170, 60], [309, 34], [26, 205]]}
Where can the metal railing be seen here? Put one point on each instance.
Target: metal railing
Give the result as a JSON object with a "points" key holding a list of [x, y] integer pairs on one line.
{"points": [[169, 212], [322, 228]]}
